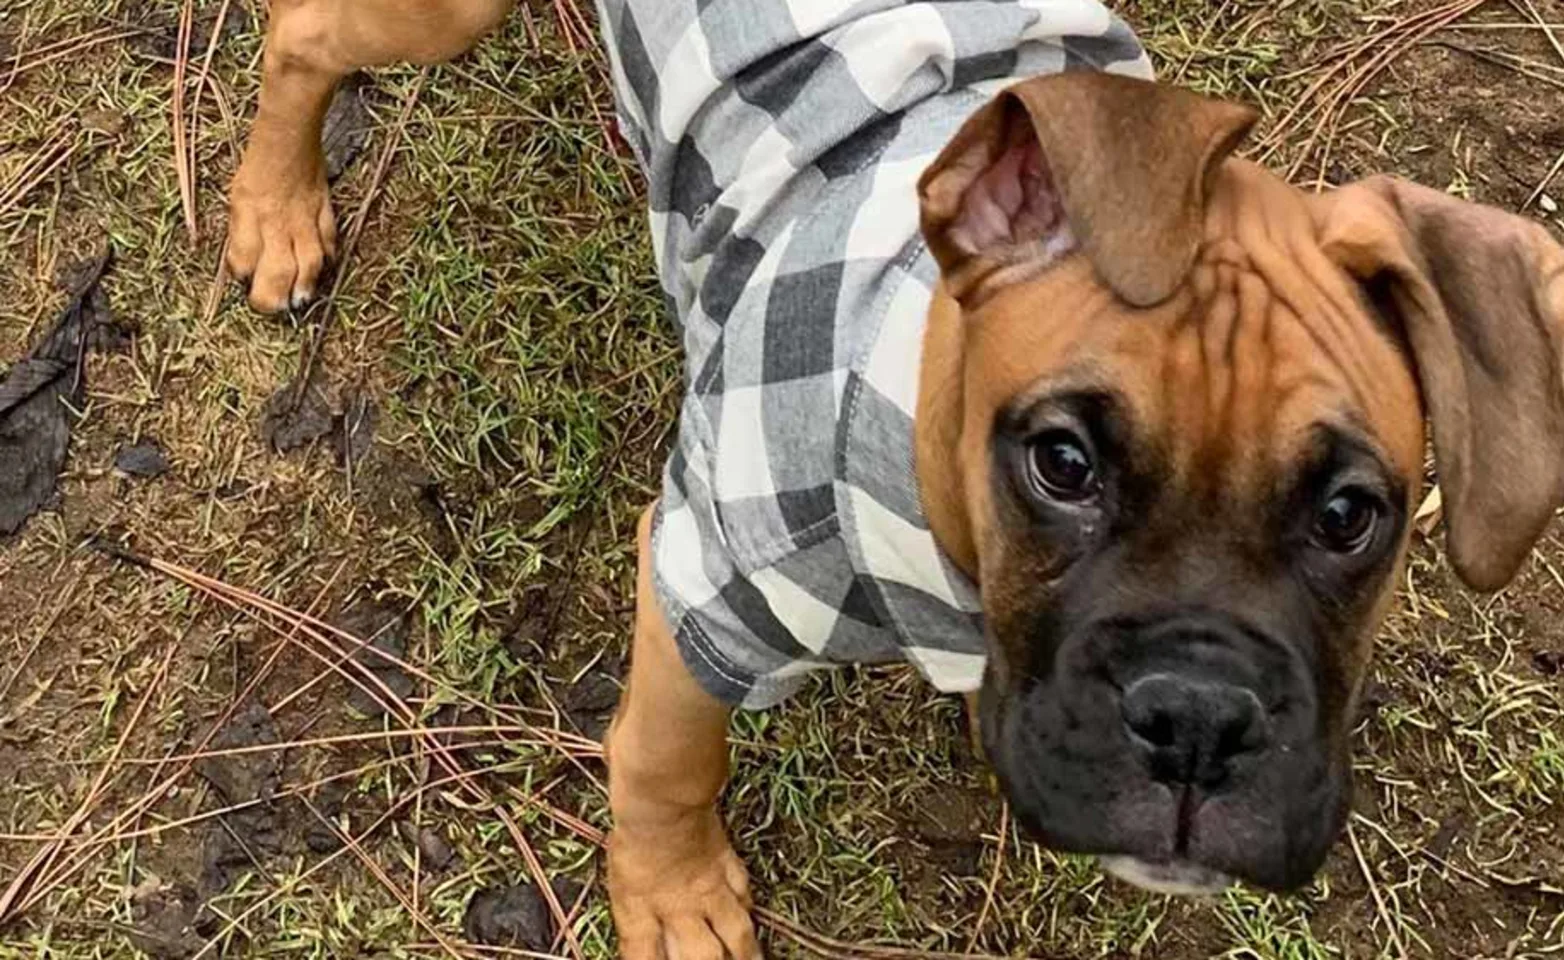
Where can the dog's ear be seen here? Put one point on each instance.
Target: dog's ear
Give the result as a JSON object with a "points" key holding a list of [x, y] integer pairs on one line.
{"points": [[1113, 166], [1479, 296]]}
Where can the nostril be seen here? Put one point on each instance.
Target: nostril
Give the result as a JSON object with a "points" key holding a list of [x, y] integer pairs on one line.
{"points": [[1148, 718], [1239, 736], [1158, 730]]}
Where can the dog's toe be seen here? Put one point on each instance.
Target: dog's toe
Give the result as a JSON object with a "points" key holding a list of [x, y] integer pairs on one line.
{"points": [[280, 236]]}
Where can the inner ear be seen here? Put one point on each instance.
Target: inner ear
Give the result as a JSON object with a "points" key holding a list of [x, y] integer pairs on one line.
{"points": [[1014, 203]]}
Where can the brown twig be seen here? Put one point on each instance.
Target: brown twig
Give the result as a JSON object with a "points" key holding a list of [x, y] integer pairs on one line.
{"points": [[824, 946], [133, 811], [59, 50], [38, 167], [373, 866], [993, 877], [346, 738], [42, 633], [326, 305], [391, 811], [21, 892], [1379, 902], [245, 600], [1547, 179], [305, 628], [371, 684], [1529, 9], [284, 792], [182, 170], [1325, 100], [1508, 61]]}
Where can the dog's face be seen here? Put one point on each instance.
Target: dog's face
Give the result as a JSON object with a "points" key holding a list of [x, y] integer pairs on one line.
{"points": [[1186, 452]]}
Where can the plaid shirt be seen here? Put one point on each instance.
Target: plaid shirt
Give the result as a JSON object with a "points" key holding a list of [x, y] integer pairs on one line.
{"points": [[782, 141]]}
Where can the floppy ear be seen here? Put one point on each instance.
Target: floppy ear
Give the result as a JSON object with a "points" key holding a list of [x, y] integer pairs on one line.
{"points": [[1479, 295], [1115, 167]]}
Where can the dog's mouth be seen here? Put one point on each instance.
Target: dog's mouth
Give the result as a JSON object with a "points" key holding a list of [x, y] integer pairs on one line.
{"points": [[1176, 876]]}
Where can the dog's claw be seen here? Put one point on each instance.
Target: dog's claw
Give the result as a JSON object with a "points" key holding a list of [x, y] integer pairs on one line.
{"points": [[280, 233]]}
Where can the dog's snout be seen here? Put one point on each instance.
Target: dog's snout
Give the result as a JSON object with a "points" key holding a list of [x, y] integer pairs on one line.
{"points": [[1189, 729]]}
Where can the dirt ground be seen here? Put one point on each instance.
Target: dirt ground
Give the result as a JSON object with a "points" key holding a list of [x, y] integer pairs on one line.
{"points": [[184, 769]]}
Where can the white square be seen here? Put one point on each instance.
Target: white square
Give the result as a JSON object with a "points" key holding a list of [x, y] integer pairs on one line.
{"points": [[685, 83], [888, 217], [810, 17], [809, 621], [743, 469], [678, 551], [884, 49], [898, 551], [763, 174], [1066, 18], [897, 356], [949, 671]]}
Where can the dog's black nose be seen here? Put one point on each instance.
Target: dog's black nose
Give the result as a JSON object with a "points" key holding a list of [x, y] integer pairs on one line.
{"points": [[1190, 728]]}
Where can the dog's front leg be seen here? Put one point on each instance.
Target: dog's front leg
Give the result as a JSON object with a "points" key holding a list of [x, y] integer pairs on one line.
{"points": [[675, 885], [280, 225]]}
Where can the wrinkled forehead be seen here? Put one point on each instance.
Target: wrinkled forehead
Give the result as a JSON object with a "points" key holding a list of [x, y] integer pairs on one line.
{"points": [[1241, 371]]}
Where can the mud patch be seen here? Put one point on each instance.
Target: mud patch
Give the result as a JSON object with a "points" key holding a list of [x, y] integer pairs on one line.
{"points": [[293, 418], [516, 916], [355, 430], [170, 924], [327, 810], [949, 821], [385, 629], [239, 841], [434, 851], [589, 702], [161, 38]]}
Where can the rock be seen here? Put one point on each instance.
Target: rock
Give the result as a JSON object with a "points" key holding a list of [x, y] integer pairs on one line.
{"points": [[145, 459]]}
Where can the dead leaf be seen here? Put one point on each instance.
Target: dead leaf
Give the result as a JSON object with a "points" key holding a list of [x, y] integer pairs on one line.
{"points": [[38, 400], [346, 128]]}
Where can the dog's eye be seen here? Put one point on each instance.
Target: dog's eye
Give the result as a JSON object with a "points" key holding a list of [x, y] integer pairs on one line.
{"points": [[1346, 523], [1060, 467]]}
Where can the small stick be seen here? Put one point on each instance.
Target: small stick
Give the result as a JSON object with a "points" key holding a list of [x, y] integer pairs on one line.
{"points": [[1379, 903], [380, 874], [18, 892], [26, 180], [350, 240], [1546, 180], [993, 878], [72, 47], [181, 171]]}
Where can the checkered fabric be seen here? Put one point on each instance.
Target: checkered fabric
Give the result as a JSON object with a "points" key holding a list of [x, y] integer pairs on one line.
{"points": [[782, 141]]}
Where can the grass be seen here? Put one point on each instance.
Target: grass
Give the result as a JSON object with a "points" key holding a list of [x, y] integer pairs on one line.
{"points": [[501, 310]]}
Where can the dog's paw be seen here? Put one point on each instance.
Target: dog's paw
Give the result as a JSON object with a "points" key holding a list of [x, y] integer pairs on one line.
{"points": [[280, 231], [684, 898]]}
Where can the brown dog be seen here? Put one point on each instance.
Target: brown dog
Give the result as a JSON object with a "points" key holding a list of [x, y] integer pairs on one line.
{"points": [[1169, 419]]}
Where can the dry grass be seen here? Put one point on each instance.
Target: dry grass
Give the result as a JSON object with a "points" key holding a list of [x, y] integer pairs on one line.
{"points": [[498, 305]]}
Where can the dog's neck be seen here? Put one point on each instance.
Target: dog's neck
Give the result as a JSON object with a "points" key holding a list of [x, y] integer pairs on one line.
{"points": [[937, 434]]}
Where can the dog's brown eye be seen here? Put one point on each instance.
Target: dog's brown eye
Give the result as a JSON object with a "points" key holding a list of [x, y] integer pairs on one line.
{"points": [[1346, 523], [1061, 468]]}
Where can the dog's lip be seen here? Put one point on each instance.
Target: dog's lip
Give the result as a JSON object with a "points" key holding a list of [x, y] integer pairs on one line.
{"points": [[1174, 876]]}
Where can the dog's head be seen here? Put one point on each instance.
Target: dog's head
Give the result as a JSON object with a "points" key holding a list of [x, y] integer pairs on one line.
{"points": [[1173, 425]]}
